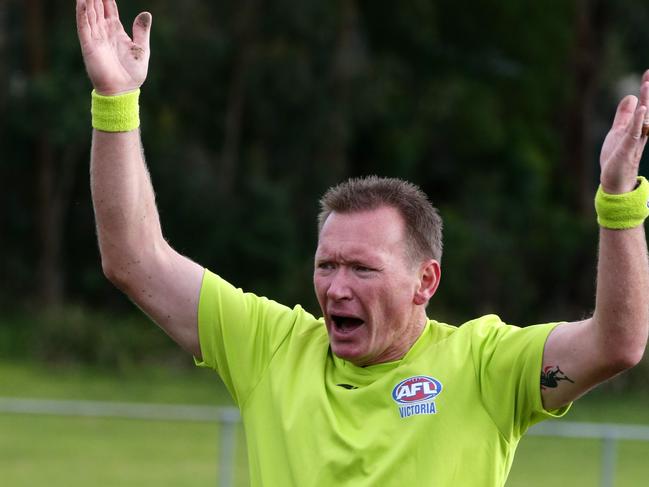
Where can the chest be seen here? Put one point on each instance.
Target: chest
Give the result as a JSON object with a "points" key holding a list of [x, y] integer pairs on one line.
{"points": [[436, 396], [418, 420]]}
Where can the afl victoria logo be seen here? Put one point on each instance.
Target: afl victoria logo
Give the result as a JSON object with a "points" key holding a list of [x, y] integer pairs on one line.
{"points": [[416, 395], [416, 389]]}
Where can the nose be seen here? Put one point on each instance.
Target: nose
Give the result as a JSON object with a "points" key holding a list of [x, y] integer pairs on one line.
{"points": [[339, 289]]}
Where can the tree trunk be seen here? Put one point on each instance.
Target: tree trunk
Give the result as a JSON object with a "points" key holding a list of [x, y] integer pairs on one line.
{"points": [[55, 173], [349, 62], [244, 36], [591, 23], [4, 89]]}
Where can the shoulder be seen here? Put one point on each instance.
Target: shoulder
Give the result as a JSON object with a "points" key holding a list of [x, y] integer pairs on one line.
{"points": [[482, 326], [233, 312], [491, 330], [490, 335], [487, 326]]}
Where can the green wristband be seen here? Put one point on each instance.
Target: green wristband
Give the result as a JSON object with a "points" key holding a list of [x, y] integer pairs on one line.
{"points": [[622, 211], [118, 113]]}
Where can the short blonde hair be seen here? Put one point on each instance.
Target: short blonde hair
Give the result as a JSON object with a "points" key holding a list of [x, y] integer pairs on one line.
{"points": [[422, 220]]}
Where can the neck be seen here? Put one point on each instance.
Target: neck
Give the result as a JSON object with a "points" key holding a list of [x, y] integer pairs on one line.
{"points": [[404, 343]]}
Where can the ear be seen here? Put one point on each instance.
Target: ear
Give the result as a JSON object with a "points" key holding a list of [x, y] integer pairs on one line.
{"points": [[429, 277]]}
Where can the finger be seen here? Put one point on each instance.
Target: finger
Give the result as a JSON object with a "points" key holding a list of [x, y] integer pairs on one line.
{"points": [[110, 9], [632, 143], [99, 8], [644, 94], [624, 112], [645, 76], [644, 101], [635, 128], [142, 29], [91, 14], [640, 149], [644, 130], [83, 27]]}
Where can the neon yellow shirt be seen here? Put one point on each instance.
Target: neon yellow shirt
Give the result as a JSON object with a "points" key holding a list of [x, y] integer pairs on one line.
{"points": [[449, 413]]}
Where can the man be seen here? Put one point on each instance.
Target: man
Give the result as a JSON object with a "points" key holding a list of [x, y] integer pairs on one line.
{"points": [[374, 393]]}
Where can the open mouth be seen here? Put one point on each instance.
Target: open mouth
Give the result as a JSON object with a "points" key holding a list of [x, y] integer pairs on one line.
{"points": [[346, 324]]}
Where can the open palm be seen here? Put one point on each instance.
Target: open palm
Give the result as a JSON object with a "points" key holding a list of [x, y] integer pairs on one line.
{"points": [[115, 62], [624, 143]]}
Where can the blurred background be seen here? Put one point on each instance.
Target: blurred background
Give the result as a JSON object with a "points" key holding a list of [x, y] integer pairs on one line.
{"points": [[251, 110]]}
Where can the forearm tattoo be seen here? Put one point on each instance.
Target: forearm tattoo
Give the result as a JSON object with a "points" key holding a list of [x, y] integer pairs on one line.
{"points": [[552, 375]]}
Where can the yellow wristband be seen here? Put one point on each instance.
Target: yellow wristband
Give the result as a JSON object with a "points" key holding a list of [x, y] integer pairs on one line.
{"points": [[622, 211], [118, 113]]}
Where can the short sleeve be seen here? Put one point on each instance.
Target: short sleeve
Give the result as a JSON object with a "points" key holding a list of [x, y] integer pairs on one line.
{"points": [[508, 362], [239, 333]]}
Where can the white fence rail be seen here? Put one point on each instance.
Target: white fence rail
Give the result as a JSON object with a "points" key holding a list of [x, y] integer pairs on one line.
{"points": [[228, 418]]}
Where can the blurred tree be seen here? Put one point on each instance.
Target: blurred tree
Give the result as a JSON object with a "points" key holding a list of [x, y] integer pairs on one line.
{"points": [[4, 82], [252, 109], [49, 205], [244, 34], [592, 24], [54, 159]]}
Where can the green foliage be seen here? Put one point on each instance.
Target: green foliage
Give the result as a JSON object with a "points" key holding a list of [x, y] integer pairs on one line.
{"points": [[252, 109], [77, 335], [145, 383]]}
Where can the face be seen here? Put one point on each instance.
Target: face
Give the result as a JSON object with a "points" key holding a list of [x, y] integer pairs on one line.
{"points": [[367, 287]]}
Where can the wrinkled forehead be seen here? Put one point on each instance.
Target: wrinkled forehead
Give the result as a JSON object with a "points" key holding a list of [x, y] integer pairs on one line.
{"points": [[381, 230]]}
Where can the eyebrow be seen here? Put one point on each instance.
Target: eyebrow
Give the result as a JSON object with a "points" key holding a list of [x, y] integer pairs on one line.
{"points": [[354, 260]]}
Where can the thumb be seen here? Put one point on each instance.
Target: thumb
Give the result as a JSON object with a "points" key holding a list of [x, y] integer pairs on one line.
{"points": [[142, 29]]}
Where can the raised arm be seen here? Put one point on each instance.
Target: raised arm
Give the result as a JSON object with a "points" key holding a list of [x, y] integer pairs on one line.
{"points": [[578, 356], [134, 254]]}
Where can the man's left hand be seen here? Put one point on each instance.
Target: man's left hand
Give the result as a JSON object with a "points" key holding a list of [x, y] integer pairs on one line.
{"points": [[623, 146]]}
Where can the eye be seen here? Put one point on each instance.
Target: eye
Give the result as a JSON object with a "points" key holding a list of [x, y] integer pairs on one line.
{"points": [[362, 269], [325, 266]]}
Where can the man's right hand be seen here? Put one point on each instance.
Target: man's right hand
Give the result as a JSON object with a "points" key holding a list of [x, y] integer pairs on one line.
{"points": [[134, 254], [115, 62]]}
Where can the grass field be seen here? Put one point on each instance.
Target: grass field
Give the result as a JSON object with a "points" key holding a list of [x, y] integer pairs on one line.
{"points": [[56, 451]]}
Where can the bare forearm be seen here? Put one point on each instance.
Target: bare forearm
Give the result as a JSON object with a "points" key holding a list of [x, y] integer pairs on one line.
{"points": [[123, 199], [134, 255], [622, 304], [591, 351]]}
